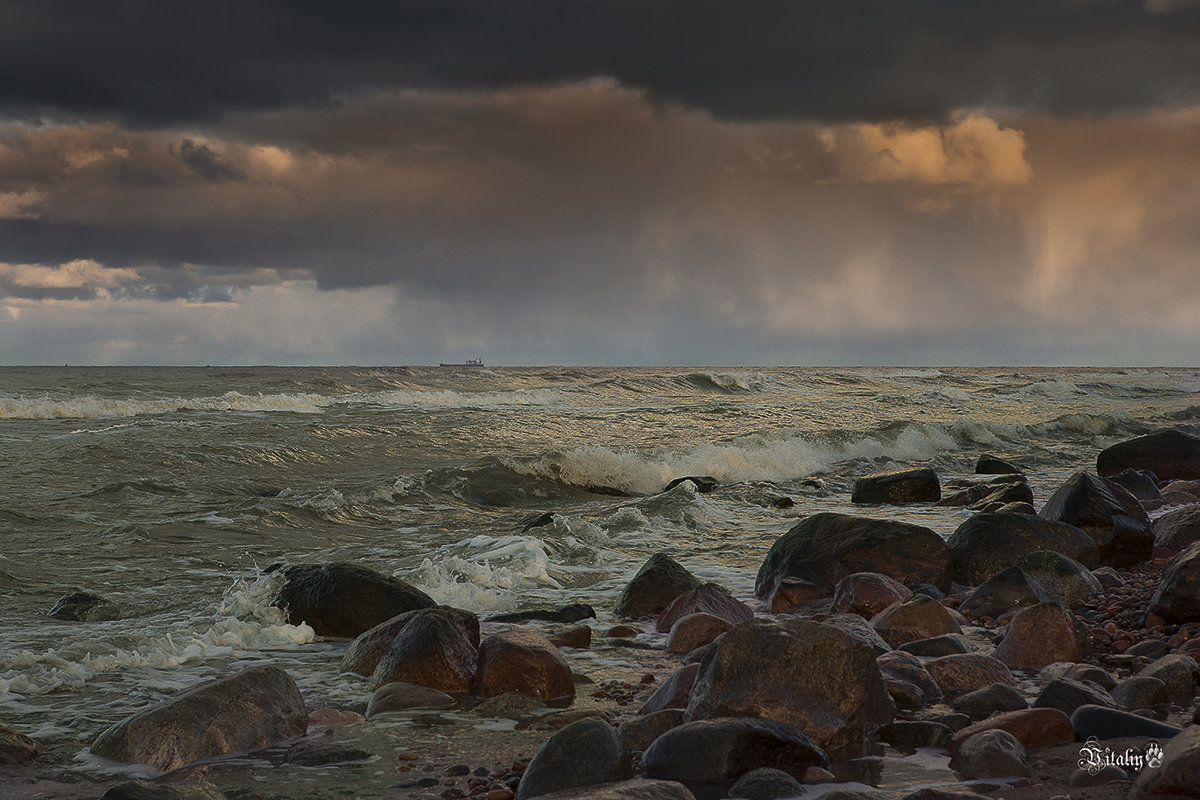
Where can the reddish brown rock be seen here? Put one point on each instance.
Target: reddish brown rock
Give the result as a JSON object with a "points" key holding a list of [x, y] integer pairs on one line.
{"points": [[1106, 512], [1178, 774], [966, 672], [1177, 530], [578, 638], [695, 630], [1177, 598], [919, 617], [673, 692], [1032, 727], [17, 747], [907, 680], [660, 580], [792, 593], [708, 599], [524, 662], [867, 593], [433, 649], [363, 654], [1041, 635]]}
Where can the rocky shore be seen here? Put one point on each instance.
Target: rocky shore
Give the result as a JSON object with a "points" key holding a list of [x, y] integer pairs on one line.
{"points": [[1034, 653]]}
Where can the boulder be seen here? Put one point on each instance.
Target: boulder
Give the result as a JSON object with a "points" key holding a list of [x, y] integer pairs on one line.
{"points": [[145, 790], [401, 696], [577, 637], [1169, 454], [1141, 691], [898, 486], [1088, 672], [993, 699], [989, 464], [1041, 635], [1183, 487], [766, 783], [710, 754], [902, 674], [673, 692], [968, 496], [908, 735], [944, 645], [709, 599], [1177, 598], [1005, 495], [826, 547], [364, 653], [434, 649], [695, 630], [1179, 673], [660, 580], [574, 612], [583, 753], [987, 543], [1106, 512], [84, 607], [918, 617], [633, 789], [1109, 723], [703, 483], [796, 671], [793, 593], [636, 734], [1140, 483], [1063, 578], [524, 662], [16, 747], [1007, 590], [1109, 578], [1178, 773], [250, 710], [956, 674], [867, 593], [860, 629], [344, 599], [318, 753], [990, 754], [1066, 695], [1032, 727], [1178, 529]]}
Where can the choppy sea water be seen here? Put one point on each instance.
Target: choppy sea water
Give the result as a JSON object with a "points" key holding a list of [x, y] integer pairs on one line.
{"points": [[167, 489]]}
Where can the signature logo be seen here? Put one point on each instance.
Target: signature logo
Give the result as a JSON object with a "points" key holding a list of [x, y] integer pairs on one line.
{"points": [[1095, 757]]}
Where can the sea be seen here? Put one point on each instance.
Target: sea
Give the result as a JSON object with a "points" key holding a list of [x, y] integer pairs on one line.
{"points": [[167, 491]]}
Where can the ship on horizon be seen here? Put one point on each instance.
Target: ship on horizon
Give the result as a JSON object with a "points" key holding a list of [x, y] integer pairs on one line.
{"points": [[472, 362]]}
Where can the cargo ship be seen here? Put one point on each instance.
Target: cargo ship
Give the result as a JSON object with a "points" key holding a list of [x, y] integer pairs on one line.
{"points": [[474, 362]]}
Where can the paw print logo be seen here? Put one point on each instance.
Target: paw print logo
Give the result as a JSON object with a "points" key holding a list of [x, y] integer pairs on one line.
{"points": [[1154, 755]]}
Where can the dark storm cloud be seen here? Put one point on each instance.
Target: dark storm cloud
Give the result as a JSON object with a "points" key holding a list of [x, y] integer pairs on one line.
{"points": [[151, 62]]}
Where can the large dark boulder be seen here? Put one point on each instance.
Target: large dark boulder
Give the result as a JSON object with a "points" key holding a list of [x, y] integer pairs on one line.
{"points": [[1178, 774], [524, 662], [1179, 673], [145, 790], [1178, 529], [966, 672], [826, 547], [1007, 590], [708, 755], [84, 607], [1063, 578], [808, 674], [253, 709], [1177, 598], [988, 543], [1140, 483], [1109, 723], [918, 617], [434, 649], [898, 486], [364, 653], [1066, 695], [344, 599], [1041, 635], [711, 598], [1170, 454], [989, 464], [581, 754], [1106, 512], [660, 580]]}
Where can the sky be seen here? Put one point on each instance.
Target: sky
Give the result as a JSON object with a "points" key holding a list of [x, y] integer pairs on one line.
{"points": [[608, 182]]}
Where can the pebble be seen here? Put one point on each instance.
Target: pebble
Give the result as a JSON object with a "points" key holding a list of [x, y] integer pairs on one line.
{"points": [[408, 756], [500, 794]]}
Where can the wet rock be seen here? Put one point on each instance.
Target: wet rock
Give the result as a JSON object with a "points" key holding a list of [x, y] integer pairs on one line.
{"points": [[84, 607], [250, 710], [1183, 487], [660, 580], [434, 649], [987, 543], [944, 645], [796, 671], [1063, 578], [867, 593], [322, 754], [1176, 530], [898, 486], [145, 790], [364, 653], [902, 670], [792, 593], [1041, 635], [703, 483], [1082, 777], [17, 747], [581, 754], [672, 692], [401, 696], [524, 662], [990, 754], [1109, 578], [1169, 454], [996, 698], [1177, 598], [966, 497], [989, 464], [1106, 512], [918, 617], [709, 754], [708, 599], [1014, 508], [1088, 672], [695, 630], [1009, 494], [344, 599], [860, 629], [636, 734], [1140, 692], [1007, 590], [766, 783], [578, 637], [1032, 727], [509, 705], [956, 674], [1179, 673], [634, 789], [1066, 695], [942, 793], [536, 521], [1109, 723], [575, 612], [1179, 773], [1140, 483], [826, 547], [909, 735]]}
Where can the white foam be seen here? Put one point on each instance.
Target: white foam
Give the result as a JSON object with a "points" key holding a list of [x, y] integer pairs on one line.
{"points": [[91, 406]]}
